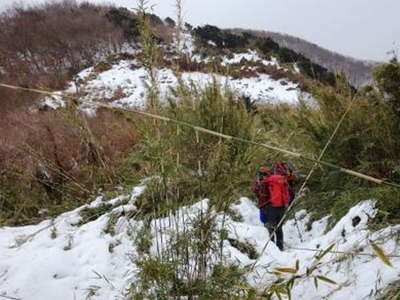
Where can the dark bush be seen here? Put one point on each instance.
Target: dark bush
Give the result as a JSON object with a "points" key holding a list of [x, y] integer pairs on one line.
{"points": [[222, 39], [126, 20], [267, 45], [170, 22]]}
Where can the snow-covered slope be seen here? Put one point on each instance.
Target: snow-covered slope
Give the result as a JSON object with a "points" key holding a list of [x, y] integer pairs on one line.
{"points": [[125, 83], [63, 259]]}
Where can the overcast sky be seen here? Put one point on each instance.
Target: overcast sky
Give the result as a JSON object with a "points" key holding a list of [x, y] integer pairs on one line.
{"points": [[365, 29]]}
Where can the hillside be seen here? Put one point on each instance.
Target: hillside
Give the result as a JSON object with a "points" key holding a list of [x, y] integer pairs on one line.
{"points": [[359, 72], [128, 150]]}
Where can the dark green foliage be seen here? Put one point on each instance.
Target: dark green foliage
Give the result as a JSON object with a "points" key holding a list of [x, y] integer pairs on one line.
{"points": [[170, 22], [267, 45], [193, 166], [188, 266], [316, 71], [287, 55], [169, 194], [154, 19], [392, 292], [143, 240], [225, 39], [244, 247], [222, 39], [209, 33], [306, 66], [234, 215], [112, 221], [250, 105], [129, 23], [124, 19], [13, 199], [387, 78], [188, 26], [89, 214]]}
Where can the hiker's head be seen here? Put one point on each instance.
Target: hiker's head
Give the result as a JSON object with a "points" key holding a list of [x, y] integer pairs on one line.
{"points": [[265, 171]]}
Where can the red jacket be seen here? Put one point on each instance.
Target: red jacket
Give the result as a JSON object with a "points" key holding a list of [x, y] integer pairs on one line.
{"points": [[278, 190]]}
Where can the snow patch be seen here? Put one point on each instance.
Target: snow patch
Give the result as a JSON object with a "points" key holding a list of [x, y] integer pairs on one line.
{"points": [[252, 56], [57, 259]]}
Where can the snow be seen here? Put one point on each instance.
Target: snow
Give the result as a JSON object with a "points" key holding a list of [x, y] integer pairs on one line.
{"points": [[187, 44], [57, 259], [211, 43], [126, 84], [296, 68], [68, 265], [53, 102], [252, 56]]}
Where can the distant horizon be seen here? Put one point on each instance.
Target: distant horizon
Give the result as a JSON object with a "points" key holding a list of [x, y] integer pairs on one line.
{"points": [[353, 28]]}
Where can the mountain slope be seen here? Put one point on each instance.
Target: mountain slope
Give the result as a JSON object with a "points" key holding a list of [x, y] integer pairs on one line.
{"points": [[169, 212], [359, 72]]}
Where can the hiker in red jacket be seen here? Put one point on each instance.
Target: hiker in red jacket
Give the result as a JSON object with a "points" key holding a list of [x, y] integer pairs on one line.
{"points": [[277, 204]]}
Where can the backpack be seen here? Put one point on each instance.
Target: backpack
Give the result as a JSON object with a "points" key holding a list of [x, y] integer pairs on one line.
{"points": [[262, 173], [257, 183], [283, 168], [260, 187]]}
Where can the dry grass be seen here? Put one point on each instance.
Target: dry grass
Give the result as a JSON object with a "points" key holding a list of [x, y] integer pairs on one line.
{"points": [[47, 158]]}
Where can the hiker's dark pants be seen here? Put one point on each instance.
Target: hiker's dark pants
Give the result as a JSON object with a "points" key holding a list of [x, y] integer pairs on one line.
{"points": [[273, 217]]}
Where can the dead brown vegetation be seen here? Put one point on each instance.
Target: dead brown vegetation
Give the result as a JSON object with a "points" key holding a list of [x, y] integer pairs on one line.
{"points": [[50, 157], [43, 46]]}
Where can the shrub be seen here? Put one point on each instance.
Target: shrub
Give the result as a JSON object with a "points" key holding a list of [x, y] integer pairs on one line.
{"points": [[222, 39], [267, 45], [126, 20], [170, 22], [187, 264]]}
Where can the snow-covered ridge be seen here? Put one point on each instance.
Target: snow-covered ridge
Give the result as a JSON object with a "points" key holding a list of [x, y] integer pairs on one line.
{"points": [[126, 84], [63, 259]]}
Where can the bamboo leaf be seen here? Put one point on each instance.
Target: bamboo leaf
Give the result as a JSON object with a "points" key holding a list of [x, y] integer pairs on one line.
{"points": [[289, 292], [275, 273], [279, 295], [290, 283], [381, 254], [326, 279], [244, 286], [297, 265], [316, 282], [286, 270], [325, 252], [251, 294]]}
